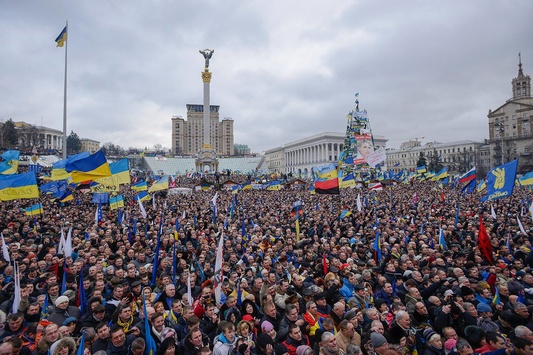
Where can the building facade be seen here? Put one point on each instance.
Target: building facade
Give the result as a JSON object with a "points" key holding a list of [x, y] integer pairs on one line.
{"points": [[241, 149], [89, 145], [188, 136], [457, 157], [44, 139], [300, 156], [510, 126]]}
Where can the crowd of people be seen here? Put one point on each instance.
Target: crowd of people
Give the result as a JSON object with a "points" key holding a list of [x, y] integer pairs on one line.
{"points": [[292, 281]]}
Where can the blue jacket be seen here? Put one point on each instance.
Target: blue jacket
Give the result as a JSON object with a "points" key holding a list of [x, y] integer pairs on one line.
{"points": [[347, 290]]}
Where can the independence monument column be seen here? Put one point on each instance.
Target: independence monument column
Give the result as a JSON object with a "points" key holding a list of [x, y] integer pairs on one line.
{"points": [[206, 156]]}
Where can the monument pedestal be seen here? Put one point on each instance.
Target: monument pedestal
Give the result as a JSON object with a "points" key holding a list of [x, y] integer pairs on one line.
{"points": [[206, 159]]}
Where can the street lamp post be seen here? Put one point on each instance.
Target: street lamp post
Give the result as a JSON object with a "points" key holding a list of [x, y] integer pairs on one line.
{"points": [[500, 127]]}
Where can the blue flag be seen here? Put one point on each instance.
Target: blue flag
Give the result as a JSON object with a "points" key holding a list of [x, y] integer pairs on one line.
{"points": [[151, 348], [81, 349], [64, 281], [377, 248], [83, 298], [500, 181], [44, 310]]}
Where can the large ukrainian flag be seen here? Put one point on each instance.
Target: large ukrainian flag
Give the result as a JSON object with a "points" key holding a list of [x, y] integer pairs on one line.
{"points": [[92, 167], [120, 174], [161, 184], [274, 185], [58, 168], [11, 162], [527, 179], [19, 186]]}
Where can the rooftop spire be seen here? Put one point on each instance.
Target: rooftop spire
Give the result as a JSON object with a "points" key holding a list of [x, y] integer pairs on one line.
{"points": [[520, 72]]}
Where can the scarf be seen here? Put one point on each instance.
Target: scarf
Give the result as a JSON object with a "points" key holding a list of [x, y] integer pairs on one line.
{"points": [[156, 333], [328, 351], [125, 325]]}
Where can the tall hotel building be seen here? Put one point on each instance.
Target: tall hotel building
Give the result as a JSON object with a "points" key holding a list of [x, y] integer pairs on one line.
{"points": [[187, 135]]}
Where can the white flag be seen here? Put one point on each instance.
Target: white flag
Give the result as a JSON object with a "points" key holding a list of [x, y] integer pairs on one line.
{"points": [[492, 212], [16, 298], [153, 202], [5, 251], [189, 291], [214, 199], [68, 244], [521, 226], [531, 211], [218, 271], [359, 204], [141, 207], [61, 242]]}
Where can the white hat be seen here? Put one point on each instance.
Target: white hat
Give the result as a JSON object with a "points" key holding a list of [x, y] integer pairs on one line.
{"points": [[448, 293], [60, 300]]}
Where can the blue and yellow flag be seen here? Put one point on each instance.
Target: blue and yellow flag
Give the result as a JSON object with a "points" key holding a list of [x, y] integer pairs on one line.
{"points": [[35, 209], [347, 181], [120, 174], [496, 299], [345, 213], [527, 179], [92, 167], [67, 196], [18, 186], [274, 185], [500, 181], [58, 168], [116, 202], [143, 196], [140, 186], [421, 169], [62, 38], [246, 186], [161, 184], [442, 174], [482, 185], [10, 162], [327, 172]]}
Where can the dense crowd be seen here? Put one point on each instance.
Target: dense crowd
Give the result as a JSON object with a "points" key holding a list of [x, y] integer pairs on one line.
{"points": [[321, 288]]}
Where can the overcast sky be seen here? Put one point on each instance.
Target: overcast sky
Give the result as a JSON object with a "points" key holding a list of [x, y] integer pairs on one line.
{"points": [[283, 70]]}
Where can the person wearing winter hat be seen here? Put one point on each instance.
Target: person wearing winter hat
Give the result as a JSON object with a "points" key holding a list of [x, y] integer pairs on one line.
{"points": [[264, 343], [63, 311], [433, 343], [379, 343], [269, 329], [485, 320], [281, 349], [59, 346], [449, 345], [304, 350]]}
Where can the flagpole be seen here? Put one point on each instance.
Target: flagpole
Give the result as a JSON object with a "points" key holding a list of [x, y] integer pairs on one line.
{"points": [[65, 100]]}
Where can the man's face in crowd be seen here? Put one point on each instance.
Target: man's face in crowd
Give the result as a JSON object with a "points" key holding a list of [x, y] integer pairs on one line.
{"points": [[296, 334], [118, 338]]}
